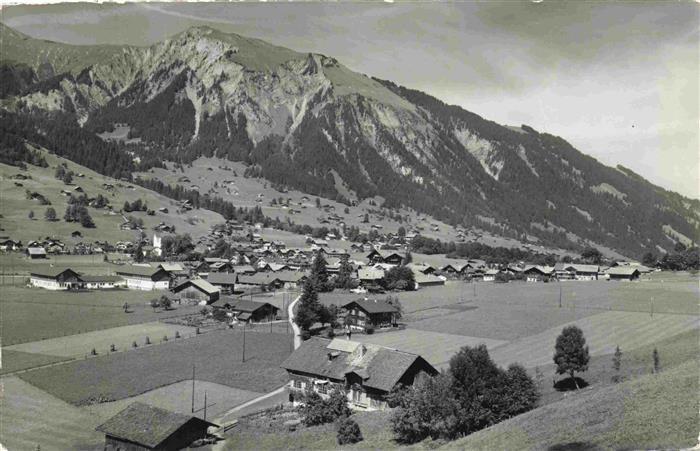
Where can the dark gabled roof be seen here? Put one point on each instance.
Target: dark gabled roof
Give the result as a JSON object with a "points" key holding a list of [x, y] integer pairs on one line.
{"points": [[222, 278], [379, 367], [52, 272], [622, 270], [201, 284], [373, 306], [258, 278], [243, 305], [147, 425], [143, 271]]}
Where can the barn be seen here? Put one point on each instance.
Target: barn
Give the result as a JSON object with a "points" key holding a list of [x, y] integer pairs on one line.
{"points": [[198, 289], [144, 427]]}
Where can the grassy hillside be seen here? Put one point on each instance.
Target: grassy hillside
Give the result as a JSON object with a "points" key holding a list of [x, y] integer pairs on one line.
{"points": [[645, 411], [15, 207], [653, 411], [246, 192]]}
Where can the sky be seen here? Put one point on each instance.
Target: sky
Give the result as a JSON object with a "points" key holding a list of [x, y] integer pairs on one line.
{"points": [[617, 80]]}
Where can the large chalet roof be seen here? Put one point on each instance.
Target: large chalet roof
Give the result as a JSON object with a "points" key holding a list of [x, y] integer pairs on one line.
{"points": [[622, 270], [200, 284], [579, 268], [222, 278], [370, 274], [146, 425], [373, 306], [380, 368], [243, 305], [52, 272], [143, 271]]}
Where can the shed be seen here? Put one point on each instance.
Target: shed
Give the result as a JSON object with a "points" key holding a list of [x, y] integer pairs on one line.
{"points": [[144, 427]]}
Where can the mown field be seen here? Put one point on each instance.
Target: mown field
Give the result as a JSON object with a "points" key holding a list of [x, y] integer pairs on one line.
{"points": [[217, 357], [17, 360], [31, 314], [15, 207], [16, 263]]}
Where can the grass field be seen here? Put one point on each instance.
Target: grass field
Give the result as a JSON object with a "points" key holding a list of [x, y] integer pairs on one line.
{"points": [[122, 337], [647, 411], [15, 207], [650, 412], [603, 332], [32, 417], [17, 263], [436, 348], [31, 314], [177, 397], [16, 361], [217, 356]]}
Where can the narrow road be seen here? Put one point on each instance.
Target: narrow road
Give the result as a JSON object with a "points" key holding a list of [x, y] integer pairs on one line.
{"points": [[295, 328], [221, 419]]}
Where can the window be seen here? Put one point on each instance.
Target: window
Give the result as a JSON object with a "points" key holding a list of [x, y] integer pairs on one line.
{"points": [[298, 384], [356, 396], [323, 388]]}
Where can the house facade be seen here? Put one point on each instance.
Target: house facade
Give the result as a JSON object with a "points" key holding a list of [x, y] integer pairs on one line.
{"points": [[144, 278], [56, 279], [363, 313], [366, 373]]}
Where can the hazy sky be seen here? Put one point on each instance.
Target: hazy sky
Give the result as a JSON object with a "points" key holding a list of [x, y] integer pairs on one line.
{"points": [[617, 80]]}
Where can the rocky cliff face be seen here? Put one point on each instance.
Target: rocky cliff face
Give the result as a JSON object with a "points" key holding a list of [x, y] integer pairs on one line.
{"points": [[303, 117]]}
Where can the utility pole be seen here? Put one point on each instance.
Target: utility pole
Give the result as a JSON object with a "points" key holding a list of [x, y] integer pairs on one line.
{"points": [[205, 405], [559, 294], [193, 388], [652, 306], [244, 323]]}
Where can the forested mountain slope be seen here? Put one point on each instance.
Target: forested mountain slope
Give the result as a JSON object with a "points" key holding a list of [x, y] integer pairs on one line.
{"points": [[305, 119]]}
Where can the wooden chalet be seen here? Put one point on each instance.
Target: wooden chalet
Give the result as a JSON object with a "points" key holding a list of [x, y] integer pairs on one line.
{"points": [[248, 311], [388, 257], [623, 273], [144, 277], [366, 373], [226, 281], [363, 313], [52, 278]]}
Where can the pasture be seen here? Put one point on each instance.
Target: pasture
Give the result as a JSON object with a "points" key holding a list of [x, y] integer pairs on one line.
{"points": [[32, 314], [122, 337], [217, 357], [15, 207], [12, 361], [437, 348], [177, 397], [32, 417]]}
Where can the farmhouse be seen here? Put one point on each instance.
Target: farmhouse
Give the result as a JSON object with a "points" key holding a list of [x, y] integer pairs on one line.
{"points": [[623, 273], [421, 267], [264, 280], [198, 289], [490, 275], [224, 280], [454, 268], [10, 245], [427, 280], [537, 273], [249, 311], [101, 282], [367, 373], [144, 277], [36, 252], [573, 271], [388, 257], [144, 427], [55, 279], [363, 313], [370, 276]]}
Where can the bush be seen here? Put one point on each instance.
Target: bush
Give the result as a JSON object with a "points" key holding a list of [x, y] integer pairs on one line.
{"points": [[134, 344], [177, 334], [165, 338], [369, 330], [305, 335], [348, 432], [317, 410], [148, 340], [93, 352], [112, 348]]}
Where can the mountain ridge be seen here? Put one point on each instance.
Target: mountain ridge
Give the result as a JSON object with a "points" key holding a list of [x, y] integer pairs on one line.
{"points": [[304, 120]]}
